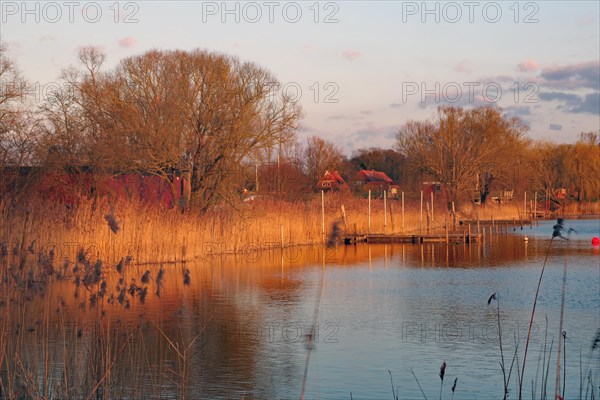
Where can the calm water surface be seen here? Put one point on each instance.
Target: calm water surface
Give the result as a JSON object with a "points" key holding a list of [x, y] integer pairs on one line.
{"points": [[384, 307]]}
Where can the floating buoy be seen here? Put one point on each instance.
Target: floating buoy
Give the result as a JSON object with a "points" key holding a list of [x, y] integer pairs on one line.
{"points": [[526, 239], [596, 241]]}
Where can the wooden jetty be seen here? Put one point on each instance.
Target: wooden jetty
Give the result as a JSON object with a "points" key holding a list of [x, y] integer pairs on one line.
{"points": [[412, 238], [515, 221]]}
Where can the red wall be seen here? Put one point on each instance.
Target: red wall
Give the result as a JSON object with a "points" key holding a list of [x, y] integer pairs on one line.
{"points": [[148, 189]]}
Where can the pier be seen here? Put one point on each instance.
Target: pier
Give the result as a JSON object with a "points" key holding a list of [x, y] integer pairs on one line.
{"points": [[412, 238]]}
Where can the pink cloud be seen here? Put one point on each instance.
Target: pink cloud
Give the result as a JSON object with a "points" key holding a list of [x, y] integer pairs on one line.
{"points": [[464, 66], [528, 66], [309, 47], [127, 42], [351, 55]]}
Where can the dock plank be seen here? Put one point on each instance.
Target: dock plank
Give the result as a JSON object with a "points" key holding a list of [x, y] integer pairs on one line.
{"points": [[412, 238]]}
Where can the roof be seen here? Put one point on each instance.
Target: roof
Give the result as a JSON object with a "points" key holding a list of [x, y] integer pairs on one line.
{"points": [[333, 176], [373, 176]]}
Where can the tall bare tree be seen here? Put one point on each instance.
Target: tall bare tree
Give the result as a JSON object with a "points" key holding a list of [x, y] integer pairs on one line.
{"points": [[574, 167], [321, 155], [12, 86], [197, 112], [13, 121], [459, 145]]}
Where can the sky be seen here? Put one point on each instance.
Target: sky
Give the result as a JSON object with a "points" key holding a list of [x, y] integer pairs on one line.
{"points": [[359, 69]]}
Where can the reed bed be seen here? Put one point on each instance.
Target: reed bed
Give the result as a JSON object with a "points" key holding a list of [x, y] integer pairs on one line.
{"points": [[153, 235], [582, 208]]}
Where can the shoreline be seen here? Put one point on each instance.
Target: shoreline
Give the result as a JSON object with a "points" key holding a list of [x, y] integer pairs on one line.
{"points": [[150, 235]]}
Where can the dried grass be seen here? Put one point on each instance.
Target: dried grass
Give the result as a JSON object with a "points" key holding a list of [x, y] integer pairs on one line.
{"points": [[152, 234]]}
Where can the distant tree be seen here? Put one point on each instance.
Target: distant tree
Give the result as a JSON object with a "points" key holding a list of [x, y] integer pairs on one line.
{"points": [[321, 155], [547, 166], [459, 145], [18, 125], [584, 166], [574, 167], [389, 161], [12, 87]]}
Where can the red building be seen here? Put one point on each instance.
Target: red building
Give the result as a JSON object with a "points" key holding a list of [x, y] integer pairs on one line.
{"points": [[68, 187], [332, 180], [375, 181], [439, 192]]}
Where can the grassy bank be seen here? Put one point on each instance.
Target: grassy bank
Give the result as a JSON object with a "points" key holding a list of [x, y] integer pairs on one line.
{"points": [[153, 235]]}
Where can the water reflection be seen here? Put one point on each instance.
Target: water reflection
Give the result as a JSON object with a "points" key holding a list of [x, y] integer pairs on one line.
{"points": [[245, 320]]}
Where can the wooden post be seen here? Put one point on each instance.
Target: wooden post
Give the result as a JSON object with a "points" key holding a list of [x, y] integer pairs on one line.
{"points": [[524, 206], [392, 215], [384, 211], [432, 208], [402, 212], [535, 209], [343, 211], [469, 237], [446, 229], [532, 214], [323, 215], [453, 217], [428, 224], [421, 216], [369, 216], [522, 223]]}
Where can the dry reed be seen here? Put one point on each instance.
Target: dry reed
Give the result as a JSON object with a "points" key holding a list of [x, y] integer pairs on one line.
{"points": [[153, 235]]}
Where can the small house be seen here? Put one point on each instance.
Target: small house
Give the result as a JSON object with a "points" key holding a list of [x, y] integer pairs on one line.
{"points": [[438, 190], [332, 180], [376, 181]]}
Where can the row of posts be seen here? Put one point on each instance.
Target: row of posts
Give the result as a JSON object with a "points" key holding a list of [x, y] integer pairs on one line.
{"points": [[429, 212], [430, 216]]}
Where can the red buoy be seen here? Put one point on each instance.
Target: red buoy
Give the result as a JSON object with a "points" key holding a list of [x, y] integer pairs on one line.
{"points": [[595, 241]]}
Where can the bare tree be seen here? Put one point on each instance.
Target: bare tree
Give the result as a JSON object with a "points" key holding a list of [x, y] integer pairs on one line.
{"points": [[321, 155], [12, 87], [546, 166], [460, 144], [198, 114], [13, 118], [574, 167], [584, 166], [235, 117]]}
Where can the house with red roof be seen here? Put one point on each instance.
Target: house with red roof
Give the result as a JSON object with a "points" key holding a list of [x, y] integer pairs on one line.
{"points": [[332, 180], [375, 181]]}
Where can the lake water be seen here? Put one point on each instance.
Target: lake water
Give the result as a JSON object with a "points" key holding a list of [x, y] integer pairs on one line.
{"points": [[400, 308]]}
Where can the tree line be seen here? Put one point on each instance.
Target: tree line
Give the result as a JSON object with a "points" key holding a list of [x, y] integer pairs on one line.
{"points": [[221, 123]]}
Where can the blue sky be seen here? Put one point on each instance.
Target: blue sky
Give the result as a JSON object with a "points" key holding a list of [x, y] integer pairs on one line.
{"points": [[363, 68]]}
